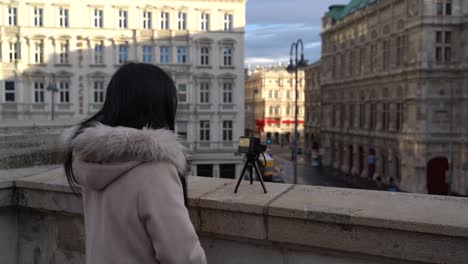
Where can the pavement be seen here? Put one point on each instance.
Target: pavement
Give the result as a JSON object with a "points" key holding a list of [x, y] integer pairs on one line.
{"points": [[319, 176]]}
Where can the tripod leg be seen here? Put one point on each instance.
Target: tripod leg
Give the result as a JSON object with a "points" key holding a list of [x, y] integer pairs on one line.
{"points": [[241, 177], [251, 173], [259, 176]]}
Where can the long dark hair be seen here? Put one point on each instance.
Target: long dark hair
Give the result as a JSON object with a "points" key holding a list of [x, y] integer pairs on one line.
{"points": [[139, 95]]}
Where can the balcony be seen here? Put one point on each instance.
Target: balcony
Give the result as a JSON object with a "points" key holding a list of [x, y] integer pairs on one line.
{"points": [[227, 108], [204, 108], [289, 224]]}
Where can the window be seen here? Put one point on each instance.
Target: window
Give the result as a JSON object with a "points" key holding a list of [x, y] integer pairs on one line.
{"points": [[39, 52], [123, 53], [385, 116], [373, 58], [227, 56], [182, 54], [14, 51], [63, 17], [38, 92], [165, 20], [123, 15], [99, 52], [205, 21], [270, 94], [204, 56], [98, 18], [444, 8], [399, 117], [12, 16], [9, 91], [373, 116], [385, 54], [362, 59], [228, 22], [164, 55], [38, 16], [63, 52], [98, 92], [288, 110], [342, 115], [204, 93], [288, 94], [448, 8], [227, 93], [227, 130], [147, 20], [182, 92], [271, 110], [443, 52], [182, 21], [227, 171], [276, 94], [64, 92], [439, 8], [351, 116], [399, 51], [147, 54], [182, 129], [205, 170], [362, 115], [204, 130]]}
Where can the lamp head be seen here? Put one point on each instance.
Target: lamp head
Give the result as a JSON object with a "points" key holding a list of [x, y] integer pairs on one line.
{"points": [[291, 68], [302, 63]]}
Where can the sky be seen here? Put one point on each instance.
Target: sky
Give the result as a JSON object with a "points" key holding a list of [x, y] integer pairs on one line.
{"points": [[273, 25]]}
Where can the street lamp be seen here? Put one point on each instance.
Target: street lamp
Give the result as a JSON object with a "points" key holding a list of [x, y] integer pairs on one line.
{"points": [[255, 92], [53, 88], [293, 68]]}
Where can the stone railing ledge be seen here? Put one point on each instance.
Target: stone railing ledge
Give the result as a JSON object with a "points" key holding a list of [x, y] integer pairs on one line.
{"points": [[289, 219], [402, 211]]}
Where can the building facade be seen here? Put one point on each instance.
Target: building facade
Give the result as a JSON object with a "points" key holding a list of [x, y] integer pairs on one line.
{"points": [[394, 92], [76, 46], [270, 103], [312, 103]]}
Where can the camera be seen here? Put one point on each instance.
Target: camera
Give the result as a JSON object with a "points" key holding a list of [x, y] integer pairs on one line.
{"points": [[251, 146]]}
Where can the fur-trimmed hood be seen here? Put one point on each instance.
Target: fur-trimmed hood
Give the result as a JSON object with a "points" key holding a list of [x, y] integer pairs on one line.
{"points": [[103, 153]]}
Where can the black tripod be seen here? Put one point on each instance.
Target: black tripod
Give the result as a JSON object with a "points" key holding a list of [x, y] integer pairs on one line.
{"points": [[250, 164]]}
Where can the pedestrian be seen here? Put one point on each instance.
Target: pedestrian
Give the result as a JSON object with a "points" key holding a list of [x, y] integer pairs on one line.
{"points": [[392, 186], [130, 167]]}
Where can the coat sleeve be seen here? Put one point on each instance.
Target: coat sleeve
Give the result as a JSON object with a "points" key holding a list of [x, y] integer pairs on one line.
{"points": [[165, 218]]}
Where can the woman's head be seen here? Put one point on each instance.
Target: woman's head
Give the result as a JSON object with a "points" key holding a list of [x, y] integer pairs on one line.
{"points": [[139, 95]]}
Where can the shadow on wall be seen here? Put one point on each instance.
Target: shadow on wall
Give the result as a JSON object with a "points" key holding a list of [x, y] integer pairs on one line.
{"points": [[80, 67]]}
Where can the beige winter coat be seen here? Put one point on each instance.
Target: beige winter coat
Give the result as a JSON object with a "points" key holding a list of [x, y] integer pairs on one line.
{"points": [[133, 199]]}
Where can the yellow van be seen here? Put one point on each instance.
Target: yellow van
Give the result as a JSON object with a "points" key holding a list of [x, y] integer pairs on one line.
{"points": [[267, 168]]}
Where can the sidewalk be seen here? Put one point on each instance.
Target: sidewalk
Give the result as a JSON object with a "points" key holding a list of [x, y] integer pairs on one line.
{"points": [[337, 175]]}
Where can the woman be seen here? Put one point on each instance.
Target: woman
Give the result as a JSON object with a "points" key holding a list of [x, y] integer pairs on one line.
{"points": [[127, 161]]}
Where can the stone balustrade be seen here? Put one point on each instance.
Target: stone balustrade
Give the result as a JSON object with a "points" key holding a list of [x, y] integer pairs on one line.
{"points": [[41, 222]]}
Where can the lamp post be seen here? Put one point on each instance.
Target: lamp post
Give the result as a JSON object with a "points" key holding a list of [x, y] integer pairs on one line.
{"points": [[52, 87], [293, 68], [255, 92]]}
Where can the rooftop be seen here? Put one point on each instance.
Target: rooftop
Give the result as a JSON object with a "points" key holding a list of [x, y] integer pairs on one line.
{"points": [[338, 12]]}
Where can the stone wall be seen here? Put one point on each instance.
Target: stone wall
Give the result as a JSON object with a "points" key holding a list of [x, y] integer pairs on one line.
{"points": [[25, 144], [41, 222]]}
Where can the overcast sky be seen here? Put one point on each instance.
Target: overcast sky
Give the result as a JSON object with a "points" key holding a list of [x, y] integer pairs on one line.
{"points": [[272, 25]]}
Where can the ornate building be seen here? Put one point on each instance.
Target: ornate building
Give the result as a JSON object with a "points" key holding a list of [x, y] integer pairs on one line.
{"points": [[76, 46], [394, 79], [270, 93], [313, 108]]}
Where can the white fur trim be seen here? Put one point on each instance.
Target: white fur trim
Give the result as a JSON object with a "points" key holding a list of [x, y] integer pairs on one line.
{"points": [[101, 143]]}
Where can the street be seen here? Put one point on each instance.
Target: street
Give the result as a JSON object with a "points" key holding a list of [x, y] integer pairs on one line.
{"points": [[308, 175]]}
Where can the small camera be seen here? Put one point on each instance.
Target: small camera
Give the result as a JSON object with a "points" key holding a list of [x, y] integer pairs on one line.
{"points": [[251, 146]]}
